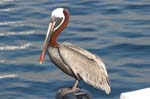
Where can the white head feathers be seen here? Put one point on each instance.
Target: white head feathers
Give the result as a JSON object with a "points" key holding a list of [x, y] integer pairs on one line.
{"points": [[58, 12]]}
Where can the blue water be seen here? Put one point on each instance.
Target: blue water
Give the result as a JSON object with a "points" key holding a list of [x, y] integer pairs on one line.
{"points": [[116, 30]]}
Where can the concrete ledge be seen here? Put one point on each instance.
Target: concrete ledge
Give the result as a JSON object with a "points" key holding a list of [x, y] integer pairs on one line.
{"points": [[137, 94]]}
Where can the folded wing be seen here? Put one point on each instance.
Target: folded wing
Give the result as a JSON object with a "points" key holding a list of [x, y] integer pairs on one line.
{"points": [[86, 66]]}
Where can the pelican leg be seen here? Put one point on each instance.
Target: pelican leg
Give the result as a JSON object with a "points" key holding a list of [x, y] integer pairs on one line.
{"points": [[75, 85], [74, 89]]}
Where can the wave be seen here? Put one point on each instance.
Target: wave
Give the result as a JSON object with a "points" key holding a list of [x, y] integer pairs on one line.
{"points": [[7, 61], [17, 33], [11, 22], [15, 47], [7, 9], [5, 1], [8, 76]]}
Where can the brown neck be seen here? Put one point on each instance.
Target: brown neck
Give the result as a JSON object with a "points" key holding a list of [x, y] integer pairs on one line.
{"points": [[53, 39]]}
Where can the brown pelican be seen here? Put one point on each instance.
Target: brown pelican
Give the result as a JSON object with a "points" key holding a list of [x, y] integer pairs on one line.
{"points": [[71, 59]]}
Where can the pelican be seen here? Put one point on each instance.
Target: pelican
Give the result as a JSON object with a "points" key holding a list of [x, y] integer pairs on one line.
{"points": [[71, 59]]}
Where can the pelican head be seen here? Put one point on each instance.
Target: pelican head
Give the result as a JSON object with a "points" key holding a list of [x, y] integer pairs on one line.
{"points": [[58, 21]]}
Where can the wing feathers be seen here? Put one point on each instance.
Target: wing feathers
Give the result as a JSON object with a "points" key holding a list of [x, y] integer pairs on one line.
{"points": [[89, 66]]}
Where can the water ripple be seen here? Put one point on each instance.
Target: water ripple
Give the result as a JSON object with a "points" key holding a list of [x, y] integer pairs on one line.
{"points": [[17, 33], [5, 1], [16, 23], [7, 61], [7, 47], [8, 76]]}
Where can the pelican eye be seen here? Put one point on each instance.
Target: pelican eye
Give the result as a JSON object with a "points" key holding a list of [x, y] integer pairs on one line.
{"points": [[58, 22]]}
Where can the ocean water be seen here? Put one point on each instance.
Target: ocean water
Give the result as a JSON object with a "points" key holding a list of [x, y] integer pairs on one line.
{"points": [[116, 30]]}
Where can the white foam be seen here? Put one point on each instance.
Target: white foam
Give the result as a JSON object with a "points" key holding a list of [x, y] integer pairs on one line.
{"points": [[15, 47], [8, 76]]}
